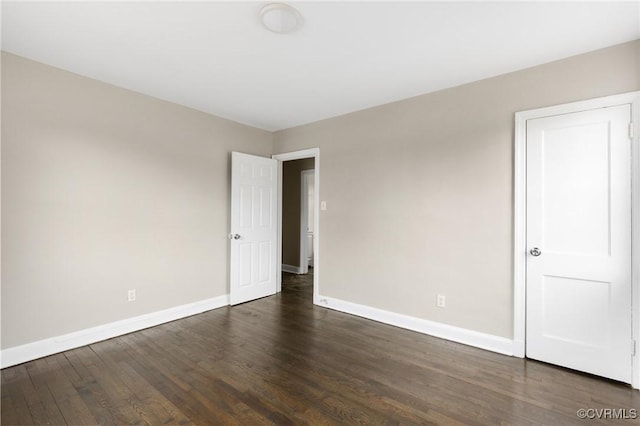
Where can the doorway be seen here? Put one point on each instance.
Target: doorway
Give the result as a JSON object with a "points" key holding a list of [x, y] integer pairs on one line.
{"points": [[295, 214], [293, 240], [576, 275]]}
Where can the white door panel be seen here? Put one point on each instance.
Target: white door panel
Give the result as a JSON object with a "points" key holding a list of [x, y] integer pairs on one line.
{"points": [[253, 227], [310, 248], [579, 217]]}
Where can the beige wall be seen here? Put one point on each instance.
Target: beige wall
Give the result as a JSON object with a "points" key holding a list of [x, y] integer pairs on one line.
{"points": [[291, 193], [419, 192], [106, 190]]}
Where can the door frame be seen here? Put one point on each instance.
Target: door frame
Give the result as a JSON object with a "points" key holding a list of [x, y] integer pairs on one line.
{"points": [[298, 155], [304, 218], [520, 219]]}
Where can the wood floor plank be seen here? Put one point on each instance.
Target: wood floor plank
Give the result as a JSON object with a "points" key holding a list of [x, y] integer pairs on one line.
{"points": [[38, 397], [65, 395], [10, 410], [89, 389], [282, 360], [212, 405], [16, 409], [154, 408], [106, 406]]}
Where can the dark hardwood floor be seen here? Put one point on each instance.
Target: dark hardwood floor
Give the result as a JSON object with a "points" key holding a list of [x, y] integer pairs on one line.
{"points": [[281, 360]]}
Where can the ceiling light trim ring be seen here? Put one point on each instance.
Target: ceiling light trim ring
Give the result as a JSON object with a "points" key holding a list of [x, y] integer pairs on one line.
{"points": [[281, 18]]}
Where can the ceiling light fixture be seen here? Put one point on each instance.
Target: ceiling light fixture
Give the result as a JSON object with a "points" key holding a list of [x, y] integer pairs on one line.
{"points": [[280, 18]]}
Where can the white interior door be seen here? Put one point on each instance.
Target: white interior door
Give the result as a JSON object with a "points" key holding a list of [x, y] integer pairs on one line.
{"points": [[306, 219], [579, 241], [254, 204], [310, 184]]}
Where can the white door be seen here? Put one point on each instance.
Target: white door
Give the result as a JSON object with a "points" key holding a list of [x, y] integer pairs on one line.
{"points": [[306, 219], [579, 241], [253, 236], [310, 214], [310, 249]]}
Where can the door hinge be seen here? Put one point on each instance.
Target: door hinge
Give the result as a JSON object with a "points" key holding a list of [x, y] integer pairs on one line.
{"points": [[634, 346], [631, 130]]}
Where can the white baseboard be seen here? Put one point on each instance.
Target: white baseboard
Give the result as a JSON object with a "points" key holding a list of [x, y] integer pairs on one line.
{"points": [[518, 348], [489, 342], [291, 269], [50, 346]]}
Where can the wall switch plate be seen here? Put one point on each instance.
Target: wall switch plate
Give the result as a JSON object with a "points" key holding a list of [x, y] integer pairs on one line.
{"points": [[323, 205], [131, 295], [440, 301]]}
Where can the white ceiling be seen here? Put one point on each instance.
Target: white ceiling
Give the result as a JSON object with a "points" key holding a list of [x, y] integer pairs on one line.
{"points": [[216, 57]]}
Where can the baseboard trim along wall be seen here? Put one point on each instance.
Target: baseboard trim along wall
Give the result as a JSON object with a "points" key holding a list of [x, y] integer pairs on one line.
{"points": [[488, 342], [291, 269], [41, 348], [53, 345]]}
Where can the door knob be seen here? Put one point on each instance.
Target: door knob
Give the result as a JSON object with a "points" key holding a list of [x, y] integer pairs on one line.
{"points": [[535, 251], [234, 236]]}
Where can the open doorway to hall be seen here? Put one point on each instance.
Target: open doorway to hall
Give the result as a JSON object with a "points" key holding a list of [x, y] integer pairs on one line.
{"points": [[298, 233], [298, 287]]}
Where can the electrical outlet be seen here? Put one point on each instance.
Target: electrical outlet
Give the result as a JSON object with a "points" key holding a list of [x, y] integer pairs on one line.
{"points": [[440, 301], [131, 295]]}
